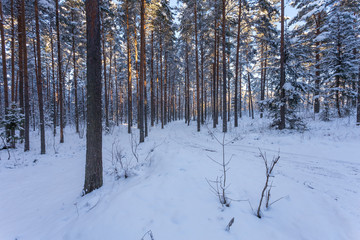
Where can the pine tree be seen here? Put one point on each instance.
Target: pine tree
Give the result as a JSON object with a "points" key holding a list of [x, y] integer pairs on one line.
{"points": [[93, 169]]}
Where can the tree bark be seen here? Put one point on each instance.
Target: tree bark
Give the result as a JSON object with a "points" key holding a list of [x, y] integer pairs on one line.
{"points": [[358, 100], [224, 64], [3, 54], [39, 81], [152, 91], [317, 66], [106, 102], [93, 169], [75, 79], [60, 73], [142, 70], [161, 88], [214, 104], [128, 66], [25, 78], [282, 70], [13, 99], [197, 69], [237, 66], [53, 81]]}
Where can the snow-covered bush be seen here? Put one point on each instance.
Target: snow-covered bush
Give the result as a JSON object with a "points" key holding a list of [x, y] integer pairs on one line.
{"points": [[12, 121]]}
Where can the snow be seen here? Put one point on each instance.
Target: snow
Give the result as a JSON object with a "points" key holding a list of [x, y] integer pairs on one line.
{"points": [[317, 179]]}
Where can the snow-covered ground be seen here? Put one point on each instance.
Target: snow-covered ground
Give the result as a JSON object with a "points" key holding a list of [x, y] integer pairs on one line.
{"points": [[317, 179]]}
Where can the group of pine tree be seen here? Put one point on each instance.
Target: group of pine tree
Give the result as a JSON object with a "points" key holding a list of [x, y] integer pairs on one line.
{"points": [[204, 61]]}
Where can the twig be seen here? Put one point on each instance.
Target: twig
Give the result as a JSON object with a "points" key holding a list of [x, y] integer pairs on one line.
{"points": [[148, 233], [229, 224], [278, 200], [6, 147]]}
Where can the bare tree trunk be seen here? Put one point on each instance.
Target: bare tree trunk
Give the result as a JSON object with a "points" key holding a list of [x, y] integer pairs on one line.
{"points": [[251, 107], [21, 65], [39, 80], [13, 99], [60, 73], [105, 79], [179, 106], [262, 81], [202, 82], [93, 169], [145, 98], [117, 87], [282, 70], [224, 64], [165, 89], [358, 100], [24, 80], [53, 81], [161, 88], [215, 70], [228, 89], [197, 69], [3, 54], [152, 91], [337, 83], [187, 86], [317, 66], [75, 80], [157, 88], [128, 67], [237, 67], [218, 90], [142, 70]]}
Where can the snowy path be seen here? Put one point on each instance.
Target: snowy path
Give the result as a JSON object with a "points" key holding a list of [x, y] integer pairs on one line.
{"points": [[319, 176]]}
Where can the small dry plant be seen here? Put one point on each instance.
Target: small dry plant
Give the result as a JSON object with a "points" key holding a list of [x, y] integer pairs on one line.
{"points": [[150, 234], [220, 185], [267, 188], [119, 162]]}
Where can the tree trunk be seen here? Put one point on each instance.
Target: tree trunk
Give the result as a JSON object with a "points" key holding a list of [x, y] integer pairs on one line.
{"points": [[197, 69], [358, 100], [25, 78], [21, 65], [39, 80], [3, 54], [317, 66], [75, 80], [152, 93], [282, 71], [165, 89], [105, 80], [224, 64], [262, 81], [187, 87], [93, 169], [13, 99], [142, 70], [128, 67], [237, 67], [53, 81], [251, 106], [161, 88], [157, 89], [202, 82], [214, 104], [60, 73]]}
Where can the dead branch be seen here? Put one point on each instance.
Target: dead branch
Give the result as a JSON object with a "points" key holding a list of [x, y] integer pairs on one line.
{"points": [[229, 224], [269, 169]]}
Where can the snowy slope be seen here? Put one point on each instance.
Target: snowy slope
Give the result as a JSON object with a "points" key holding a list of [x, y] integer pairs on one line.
{"points": [[318, 176]]}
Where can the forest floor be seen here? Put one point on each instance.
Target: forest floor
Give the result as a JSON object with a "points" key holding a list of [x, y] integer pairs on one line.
{"points": [[317, 180]]}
